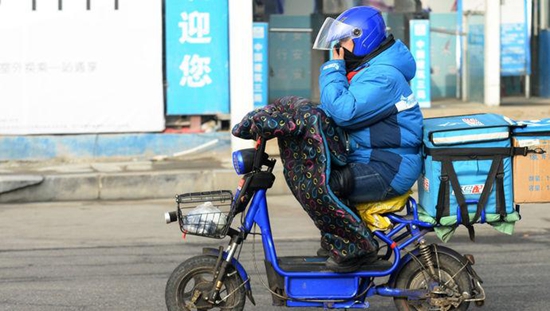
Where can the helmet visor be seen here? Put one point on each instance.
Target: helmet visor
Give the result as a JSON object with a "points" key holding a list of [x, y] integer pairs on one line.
{"points": [[333, 31]]}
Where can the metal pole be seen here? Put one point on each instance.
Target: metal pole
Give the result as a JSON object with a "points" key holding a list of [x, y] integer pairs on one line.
{"points": [[319, 7], [544, 14], [536, 22], [527, 86]]}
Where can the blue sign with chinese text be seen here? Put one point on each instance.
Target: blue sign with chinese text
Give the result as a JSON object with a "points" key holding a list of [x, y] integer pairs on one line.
{"points": [[514, 59], [420, 49], [260, 64], [197, 57], [515, 55]]}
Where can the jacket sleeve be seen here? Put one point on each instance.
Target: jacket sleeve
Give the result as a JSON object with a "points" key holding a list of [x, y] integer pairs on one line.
{"points": [[366, 101]]}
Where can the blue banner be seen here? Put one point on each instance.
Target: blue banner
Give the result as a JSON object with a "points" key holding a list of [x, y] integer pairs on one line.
{"points": [[260, 63], [515, 59], [197, 57], [420, 49]]}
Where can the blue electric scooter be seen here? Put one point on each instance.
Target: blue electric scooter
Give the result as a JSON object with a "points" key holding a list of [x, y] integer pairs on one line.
{"points": [[417, 275]]}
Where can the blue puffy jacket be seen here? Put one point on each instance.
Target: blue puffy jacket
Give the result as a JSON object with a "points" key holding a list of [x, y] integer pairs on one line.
{"points": [[379, 112]]}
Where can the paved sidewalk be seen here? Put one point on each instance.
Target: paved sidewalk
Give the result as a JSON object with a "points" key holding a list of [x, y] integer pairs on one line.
{"points": [[161, 177]]}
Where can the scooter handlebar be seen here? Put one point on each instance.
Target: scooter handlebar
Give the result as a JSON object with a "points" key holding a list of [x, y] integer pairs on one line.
{"points": [[170, 217]]}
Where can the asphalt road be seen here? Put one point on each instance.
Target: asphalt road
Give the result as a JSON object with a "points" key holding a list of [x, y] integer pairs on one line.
{"points": [[118, 256]]}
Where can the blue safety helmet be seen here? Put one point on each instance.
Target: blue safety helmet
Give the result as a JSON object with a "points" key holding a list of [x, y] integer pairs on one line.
{"points": [[363, 24]]}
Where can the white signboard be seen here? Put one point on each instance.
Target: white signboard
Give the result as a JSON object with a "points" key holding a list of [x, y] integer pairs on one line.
{"points": [[80, 66]]}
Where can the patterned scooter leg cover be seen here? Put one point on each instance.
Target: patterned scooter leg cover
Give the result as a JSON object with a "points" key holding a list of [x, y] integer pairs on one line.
{"points": [[308, 142]]}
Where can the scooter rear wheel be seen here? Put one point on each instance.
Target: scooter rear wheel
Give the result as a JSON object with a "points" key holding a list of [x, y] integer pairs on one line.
{"points": [[193, 279], [452, 282]]}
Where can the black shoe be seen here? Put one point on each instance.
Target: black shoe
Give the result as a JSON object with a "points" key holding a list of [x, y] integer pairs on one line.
{"points": [[351, 265], [321, 252], [341, 181]]}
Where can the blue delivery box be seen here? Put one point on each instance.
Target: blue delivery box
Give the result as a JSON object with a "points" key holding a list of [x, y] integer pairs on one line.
{"points": [[467, 174]]}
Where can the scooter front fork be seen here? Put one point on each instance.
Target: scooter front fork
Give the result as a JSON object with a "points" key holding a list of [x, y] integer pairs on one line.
{"points": [[221, 267]]}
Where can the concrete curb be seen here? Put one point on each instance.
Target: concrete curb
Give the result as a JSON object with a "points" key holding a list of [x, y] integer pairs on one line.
{"points": [[13, 182], [131, 185]]}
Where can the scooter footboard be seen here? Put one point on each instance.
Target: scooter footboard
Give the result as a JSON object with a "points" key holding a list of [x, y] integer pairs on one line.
{"points": [[310, 288], [322, 288]]}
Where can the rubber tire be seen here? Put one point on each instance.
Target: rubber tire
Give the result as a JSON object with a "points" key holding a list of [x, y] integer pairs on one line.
{"points": [[203, 265], [448, 264]]}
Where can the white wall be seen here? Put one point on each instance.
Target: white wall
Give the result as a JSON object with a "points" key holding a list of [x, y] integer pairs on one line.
{"points": [[76, 70]]}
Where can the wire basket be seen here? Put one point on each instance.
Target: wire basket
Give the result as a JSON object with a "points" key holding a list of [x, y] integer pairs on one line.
{"points": [[205, 213]]}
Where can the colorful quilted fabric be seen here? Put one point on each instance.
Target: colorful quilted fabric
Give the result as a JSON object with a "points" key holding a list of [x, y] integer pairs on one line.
{"points": [[309, 143]]}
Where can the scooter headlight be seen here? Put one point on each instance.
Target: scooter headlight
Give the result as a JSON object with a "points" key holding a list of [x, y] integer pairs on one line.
{"points": [[243, 160]]}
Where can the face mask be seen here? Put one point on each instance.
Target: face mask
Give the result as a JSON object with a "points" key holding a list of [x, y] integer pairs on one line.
{"points": [[352, 61]]}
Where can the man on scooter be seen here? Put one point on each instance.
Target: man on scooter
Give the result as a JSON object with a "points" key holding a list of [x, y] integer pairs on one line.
{"points": [[365, 90]]}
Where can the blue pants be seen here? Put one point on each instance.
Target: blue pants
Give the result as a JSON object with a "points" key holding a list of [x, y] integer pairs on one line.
{"points": [[369, 185]]}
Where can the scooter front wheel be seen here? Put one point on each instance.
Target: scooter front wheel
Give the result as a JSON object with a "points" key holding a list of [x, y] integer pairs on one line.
{"points": [[191, 282], [447, 289]]}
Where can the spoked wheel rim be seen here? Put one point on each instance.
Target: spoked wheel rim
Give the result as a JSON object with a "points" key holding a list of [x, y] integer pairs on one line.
{"points": [[198, 284], [442, 294], [447, 288]]}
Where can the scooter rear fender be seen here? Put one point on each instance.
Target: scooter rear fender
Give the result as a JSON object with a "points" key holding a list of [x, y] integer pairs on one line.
{"points": [[441, 249]]}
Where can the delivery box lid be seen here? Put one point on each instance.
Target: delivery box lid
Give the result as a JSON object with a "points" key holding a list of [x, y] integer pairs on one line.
{"points": [[532, 128], [463, 129]]}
